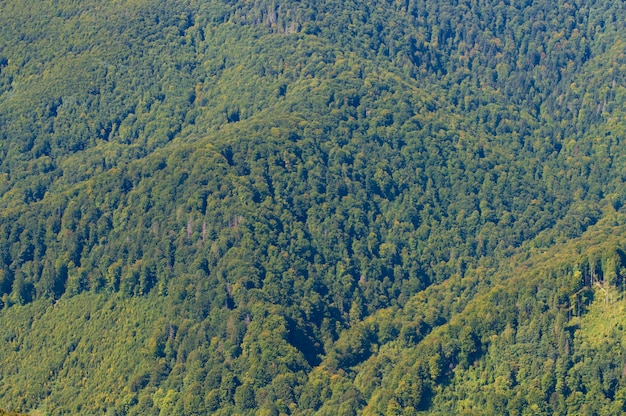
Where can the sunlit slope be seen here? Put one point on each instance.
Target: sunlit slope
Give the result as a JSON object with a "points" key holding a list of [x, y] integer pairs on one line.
{"points": [[546, 338]]}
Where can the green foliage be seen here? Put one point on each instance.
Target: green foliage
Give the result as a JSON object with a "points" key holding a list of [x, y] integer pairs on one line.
{"points": [[310, 207], [536, 340]]}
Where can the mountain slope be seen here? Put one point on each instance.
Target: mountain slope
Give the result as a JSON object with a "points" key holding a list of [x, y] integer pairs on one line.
{"points": [[244, 202], [544, 338]]}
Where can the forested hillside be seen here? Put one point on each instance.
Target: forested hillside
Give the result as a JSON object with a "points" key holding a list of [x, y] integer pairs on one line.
{"points": [[315, 207]]}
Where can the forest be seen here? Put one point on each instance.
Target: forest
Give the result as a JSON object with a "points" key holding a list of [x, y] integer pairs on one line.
{"points": [[313, 207]]}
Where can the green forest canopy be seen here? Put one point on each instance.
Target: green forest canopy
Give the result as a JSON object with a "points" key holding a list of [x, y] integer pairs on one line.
{"points": [[311, 207]]}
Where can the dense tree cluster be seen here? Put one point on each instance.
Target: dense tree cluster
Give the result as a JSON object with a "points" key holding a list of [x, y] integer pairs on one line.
{"points": [[310, 207]]}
